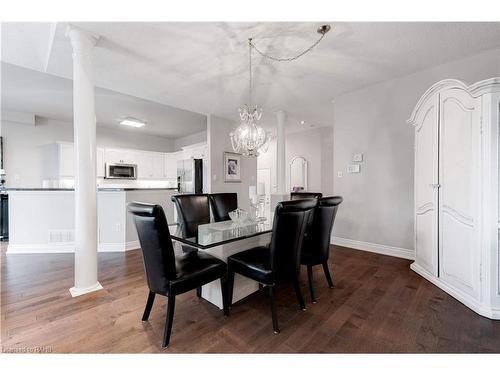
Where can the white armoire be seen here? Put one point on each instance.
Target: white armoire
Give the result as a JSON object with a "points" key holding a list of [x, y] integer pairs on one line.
{"points": [[457, 226]]}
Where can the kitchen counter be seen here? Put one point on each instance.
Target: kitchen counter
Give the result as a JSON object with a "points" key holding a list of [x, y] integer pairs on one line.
{"points": [[42, 220]]}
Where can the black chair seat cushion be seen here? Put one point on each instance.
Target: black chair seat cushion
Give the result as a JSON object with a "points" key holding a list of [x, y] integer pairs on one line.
{"points": [[194, 269], [254, 264]]}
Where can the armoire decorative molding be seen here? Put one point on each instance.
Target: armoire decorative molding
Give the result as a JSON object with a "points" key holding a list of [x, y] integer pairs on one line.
{"points": [[457, 222]]}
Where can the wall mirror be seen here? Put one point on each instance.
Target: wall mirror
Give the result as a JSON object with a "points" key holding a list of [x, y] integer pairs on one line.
{"points": [[298, 174]]}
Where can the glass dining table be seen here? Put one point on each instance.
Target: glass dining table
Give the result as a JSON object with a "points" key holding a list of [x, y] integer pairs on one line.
{"points": [[220, 233], [223, 239]]}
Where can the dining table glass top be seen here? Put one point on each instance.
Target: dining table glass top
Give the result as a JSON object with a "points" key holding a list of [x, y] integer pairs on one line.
{"points": [[219, 233]]}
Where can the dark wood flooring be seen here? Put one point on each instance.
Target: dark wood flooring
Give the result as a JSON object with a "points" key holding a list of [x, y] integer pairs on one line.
{"points": [[379, 305]]}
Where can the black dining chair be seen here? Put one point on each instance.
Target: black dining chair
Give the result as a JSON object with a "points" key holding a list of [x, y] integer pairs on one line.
{"points": [[222, 204], [304, 195], [279, 263], [192, 210], [316, 244], [167, 274]]}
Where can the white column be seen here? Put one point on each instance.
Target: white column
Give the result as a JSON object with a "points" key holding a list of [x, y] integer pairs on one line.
{"points": [[280, 152], [281, 194], [84, 125]]}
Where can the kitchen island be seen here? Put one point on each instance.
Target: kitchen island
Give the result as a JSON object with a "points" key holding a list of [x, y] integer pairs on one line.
{"points": [[42, 220]]}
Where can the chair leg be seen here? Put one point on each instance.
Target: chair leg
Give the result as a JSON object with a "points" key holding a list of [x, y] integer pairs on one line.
{"points": [[311, 286], [298, 292], [230, 287], [149, 305], [198, 292], [327, 274], [225, 297], [272, 295], [169, 321]]}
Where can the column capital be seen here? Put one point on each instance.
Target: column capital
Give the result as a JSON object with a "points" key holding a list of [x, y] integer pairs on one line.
{"points": [[82, 41]]}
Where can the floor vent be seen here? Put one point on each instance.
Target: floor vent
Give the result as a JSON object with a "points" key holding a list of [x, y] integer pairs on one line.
{"points": [[61, 236]]}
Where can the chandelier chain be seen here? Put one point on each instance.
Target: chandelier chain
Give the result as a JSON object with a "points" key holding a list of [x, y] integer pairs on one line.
{"points": [[263, 54]]}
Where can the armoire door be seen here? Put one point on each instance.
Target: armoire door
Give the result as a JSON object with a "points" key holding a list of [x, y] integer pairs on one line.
{"points": [[459, 193], [426, 191]]}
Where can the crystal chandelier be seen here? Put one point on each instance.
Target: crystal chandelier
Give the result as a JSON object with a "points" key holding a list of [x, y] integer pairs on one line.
{"points": [[249, 138]]}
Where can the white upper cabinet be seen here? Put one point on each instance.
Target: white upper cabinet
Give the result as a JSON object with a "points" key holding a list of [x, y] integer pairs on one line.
{"points": [[122, 156], [66, 157], [60, 163], [170, 166], [158, 161], [100, 162]]}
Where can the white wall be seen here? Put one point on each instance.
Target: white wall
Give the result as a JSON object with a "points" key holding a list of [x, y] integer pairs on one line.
{"points": [[316, 146], [378, 202], [23, 146], [218, 141]]}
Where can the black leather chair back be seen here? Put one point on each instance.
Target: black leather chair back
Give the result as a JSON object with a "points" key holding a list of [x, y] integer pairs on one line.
{"points": [[156, 244], [192, 210], [289, 225], [304, 195], [222, 204], [319, 234]]}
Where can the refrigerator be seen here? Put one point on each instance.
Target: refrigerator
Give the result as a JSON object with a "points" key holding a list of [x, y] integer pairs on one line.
{"points": [[190, 176]]}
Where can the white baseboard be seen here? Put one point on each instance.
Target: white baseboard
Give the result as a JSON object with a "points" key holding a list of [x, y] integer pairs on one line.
{"points": [[398, 252], [118, 247], [490, 312], [69, 248]]}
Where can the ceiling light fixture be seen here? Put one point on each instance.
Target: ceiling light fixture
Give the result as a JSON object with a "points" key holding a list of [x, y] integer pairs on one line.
{"points": [[132, 122], [249, 138]]}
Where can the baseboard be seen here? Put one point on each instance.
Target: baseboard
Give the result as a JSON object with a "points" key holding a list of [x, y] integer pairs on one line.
{"points": [[393, 251], [69, 248], [486, 311], [118, 247]]}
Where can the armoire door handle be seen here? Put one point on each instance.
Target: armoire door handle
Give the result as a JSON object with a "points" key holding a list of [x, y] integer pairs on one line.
{"points": [[435, 186]]}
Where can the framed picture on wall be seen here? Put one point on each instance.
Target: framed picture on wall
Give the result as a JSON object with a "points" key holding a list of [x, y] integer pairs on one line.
{"points": [[232, 167]]}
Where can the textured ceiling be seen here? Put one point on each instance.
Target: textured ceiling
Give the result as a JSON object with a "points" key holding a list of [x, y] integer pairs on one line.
{"points": [[202, 67]]}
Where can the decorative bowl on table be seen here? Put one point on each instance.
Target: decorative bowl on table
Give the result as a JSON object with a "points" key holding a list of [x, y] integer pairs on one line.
{"points": [[238, 216]]}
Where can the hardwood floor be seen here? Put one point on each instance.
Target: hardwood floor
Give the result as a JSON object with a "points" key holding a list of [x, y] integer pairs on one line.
{"points": [[379, 305]]}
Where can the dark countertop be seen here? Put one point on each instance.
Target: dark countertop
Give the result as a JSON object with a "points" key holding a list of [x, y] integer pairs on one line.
{"points": [[98, 189]]}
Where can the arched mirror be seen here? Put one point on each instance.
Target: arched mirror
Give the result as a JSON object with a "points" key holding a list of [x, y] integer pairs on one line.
{"points": [[298, 174]]}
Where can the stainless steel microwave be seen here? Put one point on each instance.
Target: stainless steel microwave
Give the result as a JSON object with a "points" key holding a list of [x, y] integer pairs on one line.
{"points": [[121, 171]]}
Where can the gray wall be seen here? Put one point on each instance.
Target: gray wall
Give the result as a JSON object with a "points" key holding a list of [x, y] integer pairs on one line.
{"points": [[23, 146], [218, 141], [316, 146], [378, 202]]}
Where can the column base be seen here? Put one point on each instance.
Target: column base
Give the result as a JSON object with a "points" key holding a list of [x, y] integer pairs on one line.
{"points": [[75, 292]]}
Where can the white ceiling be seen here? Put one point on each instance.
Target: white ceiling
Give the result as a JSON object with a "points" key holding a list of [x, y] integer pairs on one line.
{"points": [[202, 67], [30, 91]]}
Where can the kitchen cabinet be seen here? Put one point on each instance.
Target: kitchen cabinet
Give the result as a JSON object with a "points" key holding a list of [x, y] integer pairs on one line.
{"points": [[122, 156], [170, 165], [100, 170], [66, 159], [158, 161]]}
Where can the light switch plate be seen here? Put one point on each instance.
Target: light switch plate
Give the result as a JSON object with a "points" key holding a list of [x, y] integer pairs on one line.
{"points": [[353, 168], [340, 174], [357, 157]]}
